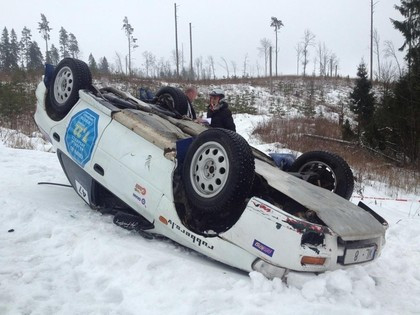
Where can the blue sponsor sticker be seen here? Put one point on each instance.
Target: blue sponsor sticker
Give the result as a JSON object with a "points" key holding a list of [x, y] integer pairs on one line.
{"points": [[140, 199], [263, 248], [81, 135]]}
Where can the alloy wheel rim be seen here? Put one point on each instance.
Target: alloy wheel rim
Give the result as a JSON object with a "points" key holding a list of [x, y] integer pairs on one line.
{"points": [[209, 169], [63, 85]]}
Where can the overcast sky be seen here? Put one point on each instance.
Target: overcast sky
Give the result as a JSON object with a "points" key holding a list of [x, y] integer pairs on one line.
{"points": [[221, 28]]}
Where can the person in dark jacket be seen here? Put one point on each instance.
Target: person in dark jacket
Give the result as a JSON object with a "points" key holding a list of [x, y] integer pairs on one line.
{"points": [[219, 112], [191, 93]]}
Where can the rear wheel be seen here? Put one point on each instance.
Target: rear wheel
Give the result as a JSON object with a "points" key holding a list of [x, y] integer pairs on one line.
{"points": [[173, 99], [70, 76], [326, 170]]}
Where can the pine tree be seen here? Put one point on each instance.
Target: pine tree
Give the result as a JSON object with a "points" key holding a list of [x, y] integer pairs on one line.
{"points": [[104, 66], [25, 44], [45, 29], [73, 46], [36, 58], [64, 43], [362, 102], [54, 56], [346, 131], [5, 51], [277, 24], [131, 40], [398, 115], [410, 28], [14, 49], [92, 64]]}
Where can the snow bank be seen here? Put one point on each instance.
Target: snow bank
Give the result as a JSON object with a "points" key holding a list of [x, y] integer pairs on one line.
{"points": [[15, 139]]}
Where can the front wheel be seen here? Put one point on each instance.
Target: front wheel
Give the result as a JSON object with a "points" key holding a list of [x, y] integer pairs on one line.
{"points": [[218, 173], [326, 170]]}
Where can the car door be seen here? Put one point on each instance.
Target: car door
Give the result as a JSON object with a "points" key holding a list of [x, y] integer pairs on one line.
{"points": [[134, 169]]}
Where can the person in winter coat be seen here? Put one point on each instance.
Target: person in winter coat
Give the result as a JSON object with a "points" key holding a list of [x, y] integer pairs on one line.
{"points": [[191, 93], [219, 112]]}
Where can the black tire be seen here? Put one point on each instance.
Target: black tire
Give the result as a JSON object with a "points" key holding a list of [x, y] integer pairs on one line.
{"points": [[326, 170], [70, 76], [172, 99], [218, 173]]}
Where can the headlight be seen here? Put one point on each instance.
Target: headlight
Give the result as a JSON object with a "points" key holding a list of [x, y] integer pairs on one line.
{"points": [[309, 260]]}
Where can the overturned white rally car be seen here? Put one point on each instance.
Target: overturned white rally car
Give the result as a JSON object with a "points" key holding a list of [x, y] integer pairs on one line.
{"points": [[204, 188]]}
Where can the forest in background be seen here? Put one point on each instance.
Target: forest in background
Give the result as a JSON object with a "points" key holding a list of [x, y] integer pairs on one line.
{"points": [[385, 121]]}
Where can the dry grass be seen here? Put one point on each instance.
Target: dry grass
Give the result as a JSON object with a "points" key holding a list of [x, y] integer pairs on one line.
{"points": [[367, 167]]}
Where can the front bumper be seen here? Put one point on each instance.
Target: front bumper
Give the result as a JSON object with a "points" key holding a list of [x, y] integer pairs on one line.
{"points": [[284, 242]]}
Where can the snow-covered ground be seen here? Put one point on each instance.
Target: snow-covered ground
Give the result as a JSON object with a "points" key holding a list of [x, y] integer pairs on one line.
{"points": [[57, 256]]}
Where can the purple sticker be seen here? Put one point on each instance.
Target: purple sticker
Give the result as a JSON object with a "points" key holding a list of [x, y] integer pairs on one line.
{"points": [[263, 248]]}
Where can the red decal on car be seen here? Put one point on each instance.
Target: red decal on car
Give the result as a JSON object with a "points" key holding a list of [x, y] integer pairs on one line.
{"points": [[140, 189]]}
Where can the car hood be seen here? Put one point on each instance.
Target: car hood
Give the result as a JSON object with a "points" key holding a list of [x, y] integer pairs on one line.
{"points": [[346, 219]]}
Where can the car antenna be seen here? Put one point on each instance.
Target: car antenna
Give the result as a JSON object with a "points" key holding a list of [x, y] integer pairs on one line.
{"points": [[56, 184]]}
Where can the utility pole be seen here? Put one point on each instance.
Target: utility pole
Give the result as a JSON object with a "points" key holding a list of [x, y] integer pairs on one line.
{"points": [[176, 43], [371, 39], [191, 56]]}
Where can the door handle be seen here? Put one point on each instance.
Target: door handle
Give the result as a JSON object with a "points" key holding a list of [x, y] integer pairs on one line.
{"points": [[56, 137], [98, 169]]}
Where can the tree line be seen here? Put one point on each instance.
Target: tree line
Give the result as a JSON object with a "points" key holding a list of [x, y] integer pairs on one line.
{"points": [[387, 123], [26, 54]]}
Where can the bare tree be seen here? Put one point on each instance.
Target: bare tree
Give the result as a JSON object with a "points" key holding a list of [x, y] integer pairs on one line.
{"points": [[182, 58], [118, 63], [160, 66], [234, 66], [131, 40], [376, 44], [174, 57], [163, 68], [333, 64], [277, 24], [315, 61], [257, 65], [308, 40], [149, 61], [225, 66], [198, 62], [298, 49], [264, 50], [210, 62], [390, 52], [244, 74], [388, 73], [323, 57]]}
